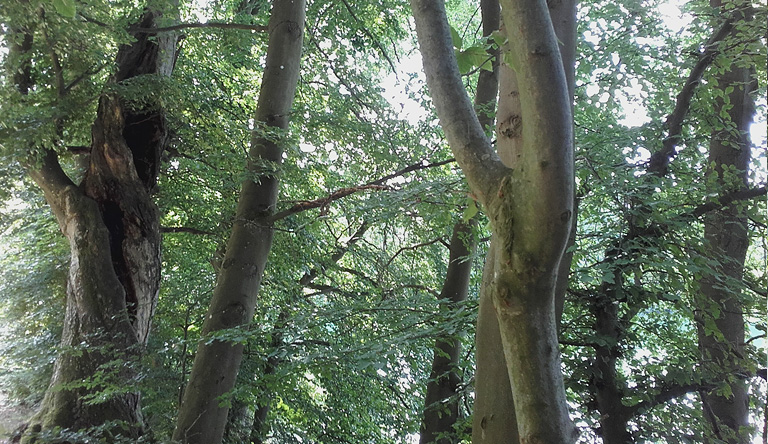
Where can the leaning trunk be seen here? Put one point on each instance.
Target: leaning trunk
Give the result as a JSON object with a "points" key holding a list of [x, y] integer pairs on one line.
{"points": [[112, 227], [203, 412]]}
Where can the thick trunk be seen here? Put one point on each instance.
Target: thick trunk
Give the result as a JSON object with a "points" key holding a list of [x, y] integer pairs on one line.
{"points": [[719, 308], [113, 231], [202, 416], [441, 404]]}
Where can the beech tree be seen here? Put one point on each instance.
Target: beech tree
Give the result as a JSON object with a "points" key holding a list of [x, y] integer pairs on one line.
{"points": [[201, 417], [529, 201], [331, 319], [107, 215], [720, 308]]}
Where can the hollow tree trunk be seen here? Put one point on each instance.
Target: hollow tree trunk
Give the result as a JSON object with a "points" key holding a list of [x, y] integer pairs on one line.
{"points": [[202, 417], [112, 227], [441, 403], [719, 308]]}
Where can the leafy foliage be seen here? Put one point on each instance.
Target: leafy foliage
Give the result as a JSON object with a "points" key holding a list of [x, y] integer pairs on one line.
{"points": [[340, 347]]}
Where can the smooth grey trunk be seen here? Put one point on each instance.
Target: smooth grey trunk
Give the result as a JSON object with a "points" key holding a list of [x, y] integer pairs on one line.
{"points": [[494, 420], [203, 412], [726, 235], [112, 227], [530, 206], [441, 404]]}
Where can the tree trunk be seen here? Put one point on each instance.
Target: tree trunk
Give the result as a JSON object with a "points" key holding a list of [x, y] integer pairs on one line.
{"points": [[113, 231], [203, 412], [441, 403], [530, 206], [719, 309]]}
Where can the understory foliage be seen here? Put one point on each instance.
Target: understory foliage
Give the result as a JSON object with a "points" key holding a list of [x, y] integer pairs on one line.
{"points": [[340, 347]]}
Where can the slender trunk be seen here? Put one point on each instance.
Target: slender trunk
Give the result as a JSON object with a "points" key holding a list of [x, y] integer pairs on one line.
{"points": [[113, 231], [202, 415], [441, 404], [494, 420], [720, 312], [605, 384]]}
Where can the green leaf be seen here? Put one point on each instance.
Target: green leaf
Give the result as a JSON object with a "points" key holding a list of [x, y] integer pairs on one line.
{"points": [[456, 38], [470, 211], [65, 8], [498, 37], [465, 64], [478, 56]]}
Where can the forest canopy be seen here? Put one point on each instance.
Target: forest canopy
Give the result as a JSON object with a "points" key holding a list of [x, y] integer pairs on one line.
{"points": [[323, 221]]}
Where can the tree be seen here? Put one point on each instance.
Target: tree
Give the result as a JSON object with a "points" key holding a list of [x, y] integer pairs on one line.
{"points": [[348, 327], [441, 402], [202, 418], [535, 193], [720, 314], [109, 219]]}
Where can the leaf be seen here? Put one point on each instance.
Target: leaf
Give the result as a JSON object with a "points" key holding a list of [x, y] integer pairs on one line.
{"points": [[456, 38], [474, 56], [478, 56], [65, 8], [470, 211], [498, 37], [465, 64]]}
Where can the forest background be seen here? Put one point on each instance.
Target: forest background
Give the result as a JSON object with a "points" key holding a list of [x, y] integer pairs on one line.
{"points": [[358, 321]]}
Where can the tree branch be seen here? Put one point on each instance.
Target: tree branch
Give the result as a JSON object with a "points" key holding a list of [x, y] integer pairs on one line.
{"points": [[323, 202], [374, 185], [410, 168], [466, 136], [659, 162], [213, 25], [726, 200], [186, 230], [665, 395], [370, 36]]}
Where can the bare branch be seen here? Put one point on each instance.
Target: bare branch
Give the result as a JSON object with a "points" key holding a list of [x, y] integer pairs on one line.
{"points": [[323, 202], [213, 25], [410, 168], [186, 230], [412, 247]]}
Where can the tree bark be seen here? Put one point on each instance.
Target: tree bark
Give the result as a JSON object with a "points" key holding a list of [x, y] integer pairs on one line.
{"points": [[113, 231], [441, 403], [726, 235], [203, 415], [530, 206]]}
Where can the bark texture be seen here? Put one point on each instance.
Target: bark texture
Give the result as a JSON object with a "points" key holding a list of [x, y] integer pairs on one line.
{"points": [[530, 206], [203, 413], [441, 404], [725, 233], [112, 227]]}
